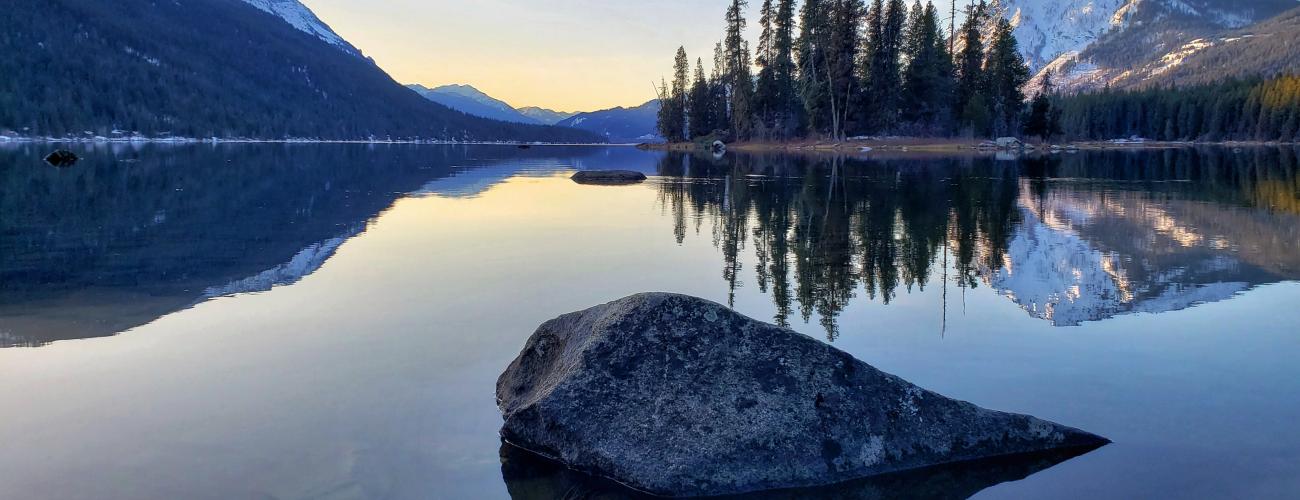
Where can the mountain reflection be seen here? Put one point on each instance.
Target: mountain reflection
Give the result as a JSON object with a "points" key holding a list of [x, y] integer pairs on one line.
{"points": [[1069, 238], [136, 232]]}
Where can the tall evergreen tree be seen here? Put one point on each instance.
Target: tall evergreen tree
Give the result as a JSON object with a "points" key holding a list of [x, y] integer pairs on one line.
{"points": [[927, 78], [1044, 120], [813, 89], [765, 90], [970, 69], [739, 79], [718, 96], [844, 44], [787, 107], [884, 73], [775, 100], [700, 111], [1007, 74], [678, 97], [673, 100]]}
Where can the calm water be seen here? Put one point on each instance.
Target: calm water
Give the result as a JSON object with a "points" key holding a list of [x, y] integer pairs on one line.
{"points": [[329, 321]]}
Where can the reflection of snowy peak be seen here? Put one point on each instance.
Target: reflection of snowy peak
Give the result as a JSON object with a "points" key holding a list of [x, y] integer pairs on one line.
{"points": [[1088, 256], [300, 266], [302, 18]]}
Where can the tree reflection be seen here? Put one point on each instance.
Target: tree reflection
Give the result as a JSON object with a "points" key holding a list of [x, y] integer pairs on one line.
{"points": [[825, 229]]}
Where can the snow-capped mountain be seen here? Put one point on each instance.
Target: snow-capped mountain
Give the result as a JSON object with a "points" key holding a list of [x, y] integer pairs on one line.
{"points": [[1088, 44], [1047, 29], [302, 18]]}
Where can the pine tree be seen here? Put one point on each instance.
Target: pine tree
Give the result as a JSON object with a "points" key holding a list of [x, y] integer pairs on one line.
{"points": [[681, 87], [765, 100], [927, 79], [842, 45], [699, 109], [813, 89], [884, 74], [970, 69], [787, 106], [1007, 73], [719, 104], [738, 79]]}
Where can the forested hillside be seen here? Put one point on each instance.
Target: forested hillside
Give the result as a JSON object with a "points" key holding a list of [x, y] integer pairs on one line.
{"points": [[1244, 110], [1267, 49], [203, 68]]}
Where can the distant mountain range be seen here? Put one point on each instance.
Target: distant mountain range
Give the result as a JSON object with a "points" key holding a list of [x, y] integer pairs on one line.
{"points": [[621, 125], [266, 69], [471, 101], [1136, 43], [545, 116]]}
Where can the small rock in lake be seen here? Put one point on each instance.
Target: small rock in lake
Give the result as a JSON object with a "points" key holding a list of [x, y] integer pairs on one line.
{"points": [[608, 177], [62, 158], [678, 396]]}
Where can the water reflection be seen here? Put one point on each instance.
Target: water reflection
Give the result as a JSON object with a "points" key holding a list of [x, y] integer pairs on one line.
{"points": [[133, 233], [1069, 239], [529, 477]]}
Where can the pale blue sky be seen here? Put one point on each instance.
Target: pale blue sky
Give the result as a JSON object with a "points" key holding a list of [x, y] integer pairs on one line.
{"points": [[572, 55]]}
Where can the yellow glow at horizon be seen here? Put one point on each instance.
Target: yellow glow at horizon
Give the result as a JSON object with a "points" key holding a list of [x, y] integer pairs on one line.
{"points": [[566, 55]]}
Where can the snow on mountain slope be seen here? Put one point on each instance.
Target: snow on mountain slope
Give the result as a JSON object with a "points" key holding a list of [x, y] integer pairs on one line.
{"points": [[1087, 44], [302, 18], [1046, 29]]}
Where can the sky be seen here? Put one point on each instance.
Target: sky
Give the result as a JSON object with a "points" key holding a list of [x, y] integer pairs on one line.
{"points": [[567, 55]]}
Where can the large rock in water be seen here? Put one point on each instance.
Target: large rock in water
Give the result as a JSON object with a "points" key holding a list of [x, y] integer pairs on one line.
{"points": [[608, 177], [678, 396]]}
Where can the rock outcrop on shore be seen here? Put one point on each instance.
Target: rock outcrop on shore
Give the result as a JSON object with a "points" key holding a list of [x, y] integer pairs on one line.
{"points": [[678, 396]]}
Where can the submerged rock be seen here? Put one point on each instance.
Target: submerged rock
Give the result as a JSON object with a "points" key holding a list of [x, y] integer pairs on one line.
{"points": [[62, 158], [608, 177], [678, 396]]}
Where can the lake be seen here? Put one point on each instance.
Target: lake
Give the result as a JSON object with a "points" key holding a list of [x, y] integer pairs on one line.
{"points": [[328, 321]]}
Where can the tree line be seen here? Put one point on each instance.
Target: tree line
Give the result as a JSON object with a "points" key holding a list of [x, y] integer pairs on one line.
{"points": [[1231, 110], [838, 68]]}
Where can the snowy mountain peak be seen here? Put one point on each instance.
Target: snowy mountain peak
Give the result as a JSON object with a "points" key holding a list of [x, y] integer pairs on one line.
{"points": [[302, 18], [1046, 29], [1092, 43]]}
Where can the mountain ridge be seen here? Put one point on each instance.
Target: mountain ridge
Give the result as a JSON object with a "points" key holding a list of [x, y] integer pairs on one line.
{"points": [[620, 124], [472, 101], [1091, 45], [209, 68]]}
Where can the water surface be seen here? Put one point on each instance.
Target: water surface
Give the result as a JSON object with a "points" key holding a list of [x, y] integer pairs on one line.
{"points": [[315, 321]]}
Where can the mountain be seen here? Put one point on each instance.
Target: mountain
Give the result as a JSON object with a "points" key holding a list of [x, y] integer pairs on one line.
{"points": [[545, 116], [302, 18], [470, 100], [1123, 43], [205, 68], [1265, 49], [620, 125]]}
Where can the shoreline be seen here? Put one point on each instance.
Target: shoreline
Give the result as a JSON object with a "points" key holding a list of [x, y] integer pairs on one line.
{"points": [[950, 146], [11, 140]]}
